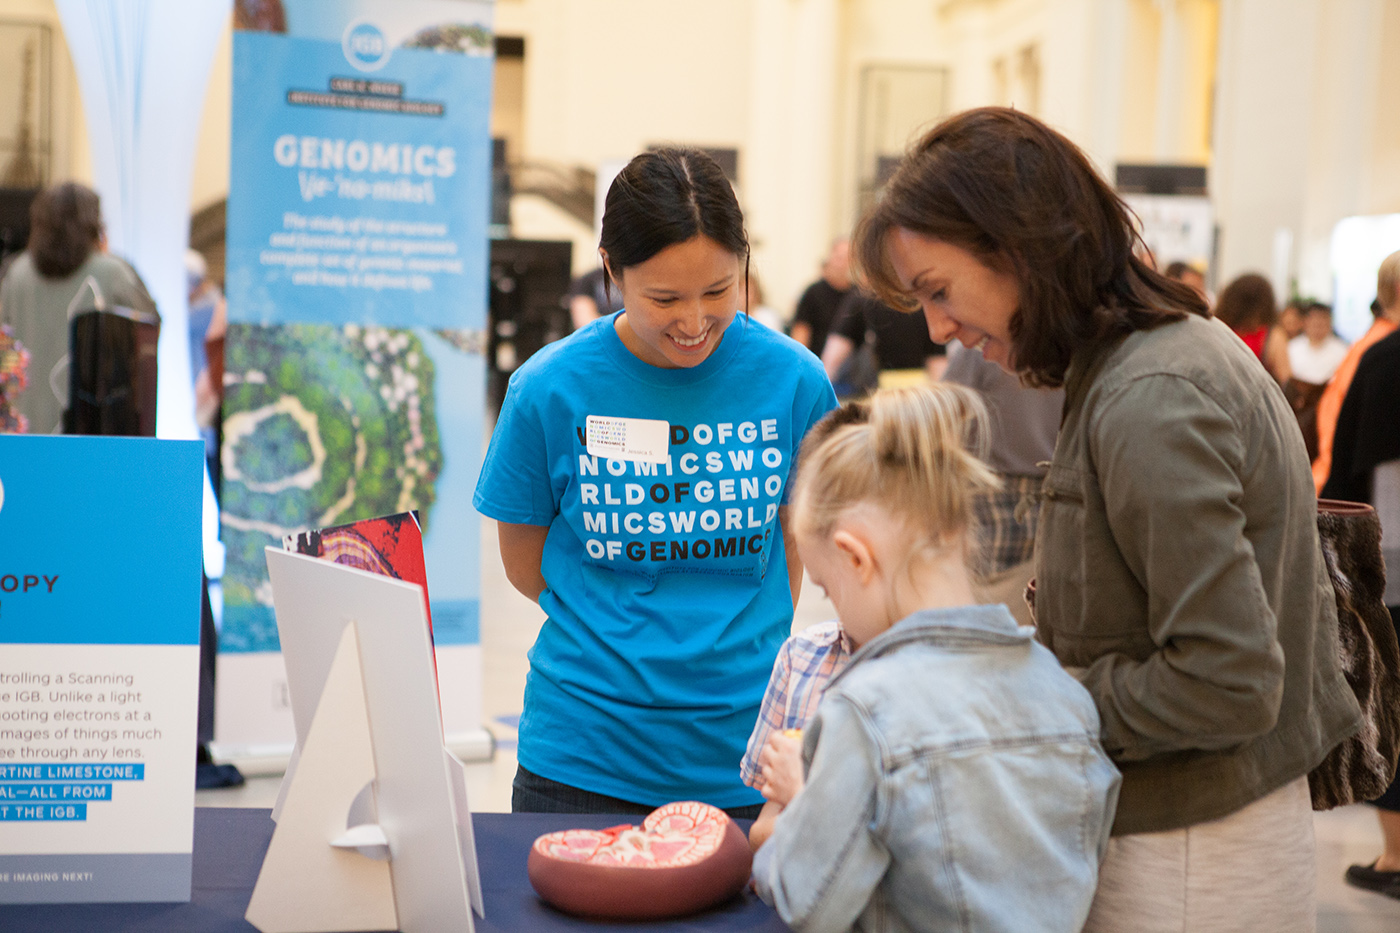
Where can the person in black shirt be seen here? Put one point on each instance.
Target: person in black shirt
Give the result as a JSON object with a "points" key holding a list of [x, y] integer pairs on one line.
{"points": [[1366, 468], [590, 299], [903, 349], [817, 307]]}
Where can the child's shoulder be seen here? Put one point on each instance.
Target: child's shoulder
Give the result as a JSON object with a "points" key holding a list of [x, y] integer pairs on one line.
{"points": [[815, 646]]}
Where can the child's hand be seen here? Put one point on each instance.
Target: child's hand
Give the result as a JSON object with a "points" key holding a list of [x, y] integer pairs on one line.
{"points": [[762, 827], [780, 767]]}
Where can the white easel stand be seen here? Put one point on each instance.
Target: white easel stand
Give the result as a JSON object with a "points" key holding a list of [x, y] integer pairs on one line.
{"points": [[375, 818]]}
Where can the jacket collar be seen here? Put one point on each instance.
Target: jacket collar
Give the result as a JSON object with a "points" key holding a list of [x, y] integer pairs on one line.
{"points": [[983, 625], [1084, 368]]}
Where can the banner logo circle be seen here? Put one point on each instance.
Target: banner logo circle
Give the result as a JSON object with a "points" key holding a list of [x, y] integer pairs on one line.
{"points": [[365, 46]]}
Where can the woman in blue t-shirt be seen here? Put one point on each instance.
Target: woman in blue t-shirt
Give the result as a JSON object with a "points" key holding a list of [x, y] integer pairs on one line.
{"points": [[639, 475]]}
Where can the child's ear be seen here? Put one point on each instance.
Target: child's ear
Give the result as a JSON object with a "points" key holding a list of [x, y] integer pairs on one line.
{"points": [[855, 554]]}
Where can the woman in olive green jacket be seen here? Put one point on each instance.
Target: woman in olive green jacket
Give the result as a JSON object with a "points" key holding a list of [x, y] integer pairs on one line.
{"points": [[1179, 571]]}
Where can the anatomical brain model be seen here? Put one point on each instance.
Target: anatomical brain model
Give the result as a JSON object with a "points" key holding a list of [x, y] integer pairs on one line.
{"points": [[683, 858]]}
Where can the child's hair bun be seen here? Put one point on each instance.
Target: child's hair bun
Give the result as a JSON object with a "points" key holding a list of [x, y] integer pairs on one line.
{"points": [[918, 451]]}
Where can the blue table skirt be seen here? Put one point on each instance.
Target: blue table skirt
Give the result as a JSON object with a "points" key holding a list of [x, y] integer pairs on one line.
{"points": [[228, 850]]}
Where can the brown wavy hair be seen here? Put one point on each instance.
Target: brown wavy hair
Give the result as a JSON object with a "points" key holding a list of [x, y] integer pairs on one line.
{"points": [[1024, 199], [65, 226], [1247, 304]]}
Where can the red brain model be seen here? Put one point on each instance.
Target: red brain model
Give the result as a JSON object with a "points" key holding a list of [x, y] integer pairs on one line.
{"points": [[683, 858]]}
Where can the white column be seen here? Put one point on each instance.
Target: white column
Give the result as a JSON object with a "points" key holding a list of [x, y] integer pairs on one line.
{"points": [[1296, 103], [1105, 91], [787, 170], [1166, 144], [143, 66], [1346, 83], [1264, 96]]}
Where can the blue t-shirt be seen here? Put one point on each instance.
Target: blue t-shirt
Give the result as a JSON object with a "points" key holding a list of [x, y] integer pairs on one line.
{"points": [[667, 584]]}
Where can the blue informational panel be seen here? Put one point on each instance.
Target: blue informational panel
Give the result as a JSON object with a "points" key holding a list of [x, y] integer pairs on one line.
{"points": [[99, 667], [371, 195], [357, 287]]}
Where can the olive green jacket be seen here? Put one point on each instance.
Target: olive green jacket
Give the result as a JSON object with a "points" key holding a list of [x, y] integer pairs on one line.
{"points": [[1180, 576]]}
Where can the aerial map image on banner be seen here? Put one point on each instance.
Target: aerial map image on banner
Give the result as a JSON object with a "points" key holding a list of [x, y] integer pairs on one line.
{"points": [[323, 426]]}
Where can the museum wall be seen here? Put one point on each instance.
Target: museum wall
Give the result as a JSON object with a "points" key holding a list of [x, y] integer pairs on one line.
{"points": [[1289, 102], [68, 130], [211, 162], [1307, 131]]}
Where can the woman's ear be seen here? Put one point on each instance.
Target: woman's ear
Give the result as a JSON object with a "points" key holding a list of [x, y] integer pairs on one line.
{"points": [[608, 270], [855, 554]]}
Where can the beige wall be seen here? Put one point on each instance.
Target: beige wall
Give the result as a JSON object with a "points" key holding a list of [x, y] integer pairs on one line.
{"points": [[1307, 131], [777, 79], [72, 157], [604, 79], [1140, 55], [1200, 20], [791, 156], [211, 160], [72, 160], [1383, 182], [881, 33]]}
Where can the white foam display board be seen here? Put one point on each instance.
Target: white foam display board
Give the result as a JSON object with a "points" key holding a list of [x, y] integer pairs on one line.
{"points": [[328, 617]]}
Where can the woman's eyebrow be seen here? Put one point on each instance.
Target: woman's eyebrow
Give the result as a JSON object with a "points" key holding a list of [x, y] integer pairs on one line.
{"points": [[662, 290]]}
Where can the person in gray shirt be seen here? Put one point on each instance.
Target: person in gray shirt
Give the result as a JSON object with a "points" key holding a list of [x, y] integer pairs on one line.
{"points": [[66, 268], [1024, 423]]}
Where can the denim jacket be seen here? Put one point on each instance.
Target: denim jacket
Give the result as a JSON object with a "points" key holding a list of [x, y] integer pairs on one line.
{"points": [[954, 782]]}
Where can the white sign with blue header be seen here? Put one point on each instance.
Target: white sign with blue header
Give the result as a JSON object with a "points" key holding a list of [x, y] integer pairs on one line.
{"points": [[99, 667]]}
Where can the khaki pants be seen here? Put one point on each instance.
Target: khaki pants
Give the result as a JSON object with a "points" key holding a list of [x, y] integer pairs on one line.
{"points": [[1254, 870]]}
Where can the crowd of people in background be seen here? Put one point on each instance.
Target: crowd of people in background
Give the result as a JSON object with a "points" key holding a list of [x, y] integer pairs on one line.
{"points": [[865, 344], [64, 270]]}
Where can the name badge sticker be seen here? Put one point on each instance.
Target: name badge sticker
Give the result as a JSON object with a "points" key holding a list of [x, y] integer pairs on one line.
{"points": [[637, 439]]}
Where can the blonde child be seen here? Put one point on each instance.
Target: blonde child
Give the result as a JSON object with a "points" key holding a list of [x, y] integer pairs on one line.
{"points": [[952, 776]]}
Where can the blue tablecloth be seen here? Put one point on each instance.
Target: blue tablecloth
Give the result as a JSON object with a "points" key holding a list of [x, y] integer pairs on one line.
{"points": [[228, 850]]}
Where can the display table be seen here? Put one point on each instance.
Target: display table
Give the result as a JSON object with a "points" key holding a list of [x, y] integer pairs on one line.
{"points": [[228, 850]]}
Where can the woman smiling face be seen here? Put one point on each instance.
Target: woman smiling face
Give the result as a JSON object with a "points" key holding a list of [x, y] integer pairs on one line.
{"points": [[961, 296], [678, 302]]}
